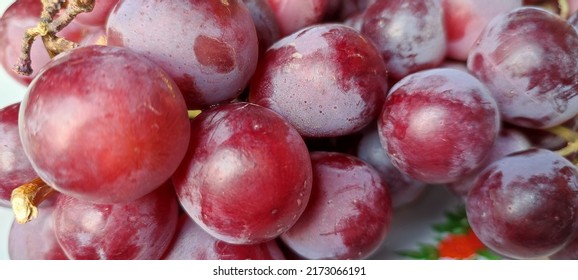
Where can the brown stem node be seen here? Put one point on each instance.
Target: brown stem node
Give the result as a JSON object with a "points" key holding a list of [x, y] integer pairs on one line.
{"points": [[26, 198]]}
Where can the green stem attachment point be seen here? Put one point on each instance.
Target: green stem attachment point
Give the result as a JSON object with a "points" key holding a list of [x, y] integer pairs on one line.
{"points": [[194, 113]]}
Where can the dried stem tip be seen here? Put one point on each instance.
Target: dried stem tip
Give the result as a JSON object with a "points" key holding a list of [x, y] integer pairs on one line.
{"points": [[50, 24], [26, 198]]}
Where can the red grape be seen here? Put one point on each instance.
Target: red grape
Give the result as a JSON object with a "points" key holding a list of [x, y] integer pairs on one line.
{"points": [[246, 177], [348, 214], [525, 205], [265, 23], [410, 35], [438, 125], [193, 243], [35, 240], [104, 124], [465, 20], [293, 15], [15, 168], [140, 229], [326, 80], [210, 48], [533, 80]]}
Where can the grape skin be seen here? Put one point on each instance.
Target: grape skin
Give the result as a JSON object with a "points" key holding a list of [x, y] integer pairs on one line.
{"points": [[326, 80], [525, 205], [294, 15], [265, 23], [508, 141], [140, 229], [410, 35], [35, 240], [210, 48], [348, 214], [532, 80], [191, 242], [465, 19], [15, 168], [112, 136], [246, 177], [438, 125]]}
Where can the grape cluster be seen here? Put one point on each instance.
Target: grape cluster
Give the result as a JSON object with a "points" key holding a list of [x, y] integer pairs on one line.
{"points": [[282, 129]]}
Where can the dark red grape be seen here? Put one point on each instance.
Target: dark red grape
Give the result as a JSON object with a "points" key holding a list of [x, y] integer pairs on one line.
{"points": [[193, 243], [533, 80], [15, 168], [210, 48], [104, 124], [140, 229], [352, 7], [525, 205], [410, 35], [265, 23], [246, 177], [35, 240], [348, 214], [326, 80], [438, 125]]}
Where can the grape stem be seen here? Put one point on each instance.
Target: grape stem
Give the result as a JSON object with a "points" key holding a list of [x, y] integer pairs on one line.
{"points": [[560, 7], [194, 113], [49, 25], [26, 198], [569, 136]]}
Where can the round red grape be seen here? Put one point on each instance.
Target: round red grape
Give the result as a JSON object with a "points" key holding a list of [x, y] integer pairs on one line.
{"points": [[410, 35], [438, 125], [140, 229], [104, 124], [525, 205], [210, 48], [326, 80], [246, 177], [533, 80], [348, 214]]}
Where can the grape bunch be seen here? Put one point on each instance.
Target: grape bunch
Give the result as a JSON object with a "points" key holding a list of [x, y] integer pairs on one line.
{"points": [[277, 129]]}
